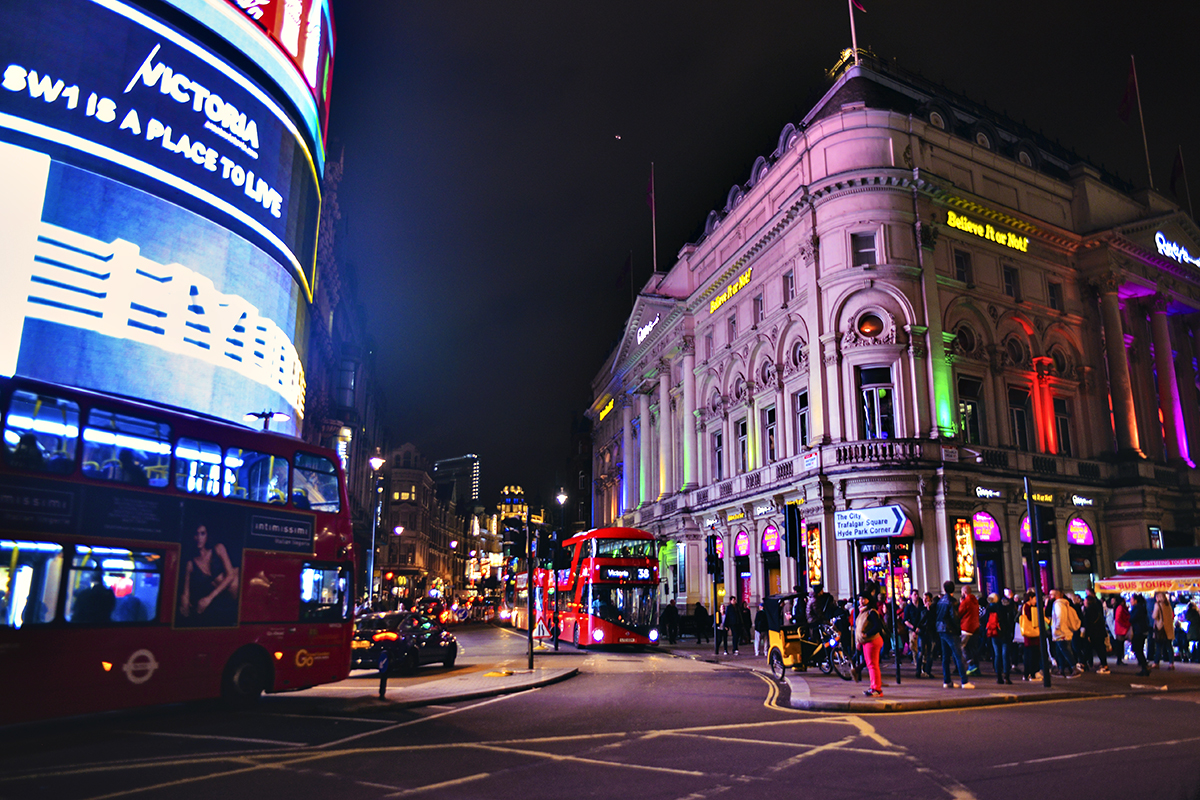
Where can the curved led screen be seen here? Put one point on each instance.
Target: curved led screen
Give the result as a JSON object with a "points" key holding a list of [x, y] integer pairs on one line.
{"points": [[159, 215], [103, 85]]}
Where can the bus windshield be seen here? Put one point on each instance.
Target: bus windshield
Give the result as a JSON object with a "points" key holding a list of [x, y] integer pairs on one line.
{"points": [[631, 606], [624, 548]]}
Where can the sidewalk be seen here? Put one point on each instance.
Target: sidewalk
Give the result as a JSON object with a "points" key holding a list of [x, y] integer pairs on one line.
{"points": [[814, 691]]}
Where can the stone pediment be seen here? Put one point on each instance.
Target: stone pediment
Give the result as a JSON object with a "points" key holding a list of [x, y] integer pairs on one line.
{"points": [[646, 323]]}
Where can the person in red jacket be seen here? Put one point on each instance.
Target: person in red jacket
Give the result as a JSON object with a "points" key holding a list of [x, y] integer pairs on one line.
{"points": [[968, 615]]}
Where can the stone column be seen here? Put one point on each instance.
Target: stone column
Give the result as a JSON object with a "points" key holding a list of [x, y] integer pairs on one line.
{"points": [[628, 461], [645, 426], [1168, 390], [752, 460], [1124, 413], [664, 429], [691, 446]]}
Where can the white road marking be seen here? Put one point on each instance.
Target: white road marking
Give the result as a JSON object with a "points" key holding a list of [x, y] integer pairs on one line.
{"points": [[219, 738], [398, 725], [1067, 756]]}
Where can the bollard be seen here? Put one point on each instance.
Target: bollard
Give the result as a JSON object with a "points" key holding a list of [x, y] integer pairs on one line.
{"points": [[383, 672]]}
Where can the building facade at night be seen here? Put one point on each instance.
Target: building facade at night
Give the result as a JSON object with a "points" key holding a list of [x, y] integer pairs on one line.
{"points": [[912, 304]]}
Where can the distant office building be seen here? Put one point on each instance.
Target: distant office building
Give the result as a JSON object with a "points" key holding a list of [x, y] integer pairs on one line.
{"points": [[463, 474]]}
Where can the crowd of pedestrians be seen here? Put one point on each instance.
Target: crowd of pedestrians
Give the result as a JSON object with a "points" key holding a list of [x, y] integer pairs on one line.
{"points": [[1081, 631]]}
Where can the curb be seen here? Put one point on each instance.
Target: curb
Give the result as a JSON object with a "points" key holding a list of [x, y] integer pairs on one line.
{"points": [[454, 697], [875, 706]]}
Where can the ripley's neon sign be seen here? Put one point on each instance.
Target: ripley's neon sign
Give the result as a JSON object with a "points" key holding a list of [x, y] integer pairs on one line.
{"points": [[987, 232], [1174, 250]]}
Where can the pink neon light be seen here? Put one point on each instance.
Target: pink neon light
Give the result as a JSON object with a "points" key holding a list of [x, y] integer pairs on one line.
{"points": [[770, 540], [1079, 532], [741, 544], [1026, 536], [986, 527], [720, 547]]}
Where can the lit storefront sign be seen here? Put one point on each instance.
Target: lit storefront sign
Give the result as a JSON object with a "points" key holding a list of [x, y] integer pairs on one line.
{"points": [[814, 561], [770, 540], [710, 522], [608, 407], [964, 551], [764, 510], [985, 231], [734, 516], [1045, 498], [730, 291], [1079, 532], [986, 493], [1081, 501], [645, 330], [985, 527], [1173, 250], [741, 544]]}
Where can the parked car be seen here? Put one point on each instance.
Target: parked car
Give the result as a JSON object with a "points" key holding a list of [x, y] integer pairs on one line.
{"points": [[410, 639]]}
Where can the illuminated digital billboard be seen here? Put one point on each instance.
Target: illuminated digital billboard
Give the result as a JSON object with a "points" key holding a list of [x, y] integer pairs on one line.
{"points": [[100, 80], [158, 213]]}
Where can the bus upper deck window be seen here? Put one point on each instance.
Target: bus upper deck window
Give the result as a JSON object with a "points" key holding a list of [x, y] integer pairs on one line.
{"points": [[198, 467], [258, 477], [40, 432], [118, 447], [315, 483]]}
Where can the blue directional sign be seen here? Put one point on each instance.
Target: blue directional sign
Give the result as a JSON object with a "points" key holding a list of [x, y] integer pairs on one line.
{"points": [[383, 661], [871, 523]]}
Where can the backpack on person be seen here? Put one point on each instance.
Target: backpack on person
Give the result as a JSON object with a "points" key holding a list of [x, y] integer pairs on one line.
{"points": [[860, 627], [993, 625], [1073, 621]]}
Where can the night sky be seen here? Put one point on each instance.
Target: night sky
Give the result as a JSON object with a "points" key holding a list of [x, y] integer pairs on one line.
{"points": [[497, 156]]}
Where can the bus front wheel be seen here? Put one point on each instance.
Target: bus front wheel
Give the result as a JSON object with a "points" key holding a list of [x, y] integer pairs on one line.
{"points": [[247, 675]]}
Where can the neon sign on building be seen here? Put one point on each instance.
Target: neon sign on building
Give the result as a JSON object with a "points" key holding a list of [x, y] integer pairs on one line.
{"points": [[1174, 250], [984, 231], [730, 291]]}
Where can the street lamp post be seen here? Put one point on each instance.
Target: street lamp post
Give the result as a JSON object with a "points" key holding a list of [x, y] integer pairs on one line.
{"points": [[266, 417], [376, 461], [561, 497]]}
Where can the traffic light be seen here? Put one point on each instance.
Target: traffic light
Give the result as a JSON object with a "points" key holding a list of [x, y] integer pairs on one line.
{"points": [[792, 525], [1046, 529], [710, 555], [514, 536]]}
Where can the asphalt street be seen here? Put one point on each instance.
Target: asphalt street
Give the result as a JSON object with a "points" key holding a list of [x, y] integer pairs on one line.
{"points": [[649, 725]]}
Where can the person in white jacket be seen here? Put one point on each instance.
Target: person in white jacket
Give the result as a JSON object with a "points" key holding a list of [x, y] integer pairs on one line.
{"points": [[1064, 621]]}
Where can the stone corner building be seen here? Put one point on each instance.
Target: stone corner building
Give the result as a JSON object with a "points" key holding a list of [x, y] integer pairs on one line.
{"points": [[913, 303]]}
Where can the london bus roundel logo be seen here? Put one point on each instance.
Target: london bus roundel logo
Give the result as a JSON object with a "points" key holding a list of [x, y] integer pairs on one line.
{"points": [[140, 666]]}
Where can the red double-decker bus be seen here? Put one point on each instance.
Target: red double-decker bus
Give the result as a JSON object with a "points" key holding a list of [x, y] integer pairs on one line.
{"points": [[609, 594], [150, 555]]}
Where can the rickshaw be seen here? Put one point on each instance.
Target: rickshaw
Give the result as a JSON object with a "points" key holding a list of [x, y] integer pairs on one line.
{"points": [[790, 646]]}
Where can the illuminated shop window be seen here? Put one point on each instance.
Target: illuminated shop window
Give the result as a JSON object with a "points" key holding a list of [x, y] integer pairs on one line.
{"points": [[877, 412], [743, 446], [1018, 415], [800, 410], [962, 266], [970, 409], [1062, 422], [862, 249]]}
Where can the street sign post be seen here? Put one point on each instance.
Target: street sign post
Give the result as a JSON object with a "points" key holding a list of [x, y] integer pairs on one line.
{"points": [[383, 671], [872, 523]]}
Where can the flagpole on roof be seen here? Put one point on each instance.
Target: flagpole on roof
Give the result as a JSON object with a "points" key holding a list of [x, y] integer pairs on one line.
{"points": [[653, 220], [1187, 189], [1137, 92], [853, 34]]}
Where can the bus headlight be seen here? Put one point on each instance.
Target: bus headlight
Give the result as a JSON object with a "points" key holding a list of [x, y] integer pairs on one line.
{"points": [[654, 634], [597, 635]]}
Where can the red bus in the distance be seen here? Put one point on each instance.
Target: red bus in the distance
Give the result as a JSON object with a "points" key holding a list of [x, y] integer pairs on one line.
{"points": [[151, 555], [609, 594]]}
